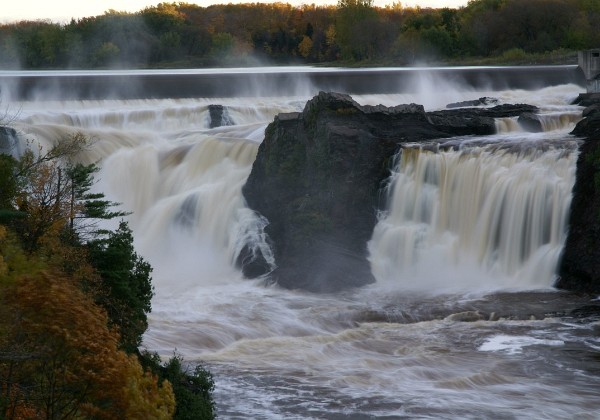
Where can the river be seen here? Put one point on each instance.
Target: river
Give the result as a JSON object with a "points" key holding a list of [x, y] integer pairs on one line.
{"points": [[462, 322]]}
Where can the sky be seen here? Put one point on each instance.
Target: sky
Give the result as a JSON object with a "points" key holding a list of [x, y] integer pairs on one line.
{"points": [[64, 10]]}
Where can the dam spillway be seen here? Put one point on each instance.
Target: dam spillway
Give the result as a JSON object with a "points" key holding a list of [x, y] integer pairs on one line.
{"points": [[268, 81]]}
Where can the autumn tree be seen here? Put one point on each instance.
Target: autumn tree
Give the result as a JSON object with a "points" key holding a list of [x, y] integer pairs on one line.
{"points": [[74, 301], [59, 359]]}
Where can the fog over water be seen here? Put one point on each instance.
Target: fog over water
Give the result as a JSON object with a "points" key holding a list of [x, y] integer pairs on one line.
{"points": [[463, 321]]}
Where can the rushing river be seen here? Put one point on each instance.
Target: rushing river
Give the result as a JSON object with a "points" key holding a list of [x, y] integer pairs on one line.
{"points": [[462, 322]]}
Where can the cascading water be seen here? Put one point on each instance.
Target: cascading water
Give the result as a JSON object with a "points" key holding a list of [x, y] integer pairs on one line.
{"points": [[495, 216], [464, 223]]}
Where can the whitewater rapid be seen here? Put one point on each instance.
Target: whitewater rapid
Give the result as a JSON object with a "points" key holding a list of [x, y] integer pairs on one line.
{"points": [[470, 232]]}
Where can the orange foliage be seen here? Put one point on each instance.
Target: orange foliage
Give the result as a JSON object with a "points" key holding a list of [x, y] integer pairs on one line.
{"points": [[68, 358]]}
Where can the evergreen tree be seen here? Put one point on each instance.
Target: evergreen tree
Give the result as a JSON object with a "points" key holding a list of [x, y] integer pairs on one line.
{"points": [[126, 284], [87, 208]]}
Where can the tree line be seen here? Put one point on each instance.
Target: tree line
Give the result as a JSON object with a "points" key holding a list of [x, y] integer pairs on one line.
{"points": [[74, 299], [353, 31]]}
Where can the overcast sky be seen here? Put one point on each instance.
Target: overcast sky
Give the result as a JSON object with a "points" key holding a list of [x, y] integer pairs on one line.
{"points": [[64, 10]]}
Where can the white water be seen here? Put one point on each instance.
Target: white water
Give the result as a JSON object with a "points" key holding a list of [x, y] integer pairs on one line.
{"points": [[487, 216], [397, 348]]}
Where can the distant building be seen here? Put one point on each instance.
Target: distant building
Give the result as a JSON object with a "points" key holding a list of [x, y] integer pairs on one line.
{"points": [[589, 61]]}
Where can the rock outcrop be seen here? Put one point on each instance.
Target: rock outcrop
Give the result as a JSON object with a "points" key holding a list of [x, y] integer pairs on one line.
{"points": [[530, 122], [8, 140], [580, 263], [484, 101], [478, 121], [219, 116], [318, 176], [587, 99]]}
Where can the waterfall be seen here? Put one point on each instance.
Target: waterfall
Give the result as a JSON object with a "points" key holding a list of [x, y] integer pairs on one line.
{"points": [[475, 221], [192, 196], [549, 121], [485, 216]]}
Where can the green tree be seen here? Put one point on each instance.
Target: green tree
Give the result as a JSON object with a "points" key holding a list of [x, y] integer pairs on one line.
{"points": [[87, 208], [9, 188], [106, 54], [126, 281], [223, 44], [192, 386], [355, 22]]}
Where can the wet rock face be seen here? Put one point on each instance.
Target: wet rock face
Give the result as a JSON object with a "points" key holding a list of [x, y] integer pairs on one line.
{"points": [[219, 116], [318, 175], [580, 263], [484, 101], [476, 121], [316, 179], [8, 139], [530, 122], [587, 99]]}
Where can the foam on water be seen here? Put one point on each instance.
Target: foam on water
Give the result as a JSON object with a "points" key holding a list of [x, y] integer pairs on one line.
{"points": [[513, 344]]}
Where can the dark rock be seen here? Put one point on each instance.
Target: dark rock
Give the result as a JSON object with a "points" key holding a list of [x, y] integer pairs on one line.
{"points": [[8, 140], [478, 121], [587, 99], [530, 122], [484, 101], [588, 127], [586, 311], [460, 124], [252, 262], [580, 264], [316, 179], [219, 116], [498, 111], [591, 110]]}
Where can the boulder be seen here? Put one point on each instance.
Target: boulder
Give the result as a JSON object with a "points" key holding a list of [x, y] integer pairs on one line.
{"points": [[484, 101], [591, 110], [580, 263], [252, 262], [587, 99], [530, 122], [219, 116], [8, 139], [316, 179], [478, 121], [588, 128]]}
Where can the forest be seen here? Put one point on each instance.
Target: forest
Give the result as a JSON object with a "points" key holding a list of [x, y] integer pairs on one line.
{"points": [[353, 32], [74, 299]]}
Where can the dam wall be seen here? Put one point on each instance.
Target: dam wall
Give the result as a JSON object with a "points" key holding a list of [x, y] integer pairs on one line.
{"points": [[270, 81]]}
